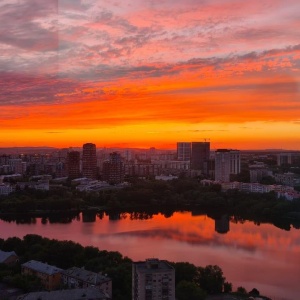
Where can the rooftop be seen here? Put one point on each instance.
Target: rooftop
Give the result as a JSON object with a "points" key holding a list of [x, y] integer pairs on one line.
{"points": [[86, 276], [153, 265], [5, 255], [42, 267]]}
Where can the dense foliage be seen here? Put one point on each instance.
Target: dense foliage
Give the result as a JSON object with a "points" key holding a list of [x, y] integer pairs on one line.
{"points": [[191, 282], [66, 254]]}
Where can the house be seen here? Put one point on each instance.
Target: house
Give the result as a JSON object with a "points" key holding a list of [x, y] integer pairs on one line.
{"points": [[81, 278], [50, 275], [8, 258]]}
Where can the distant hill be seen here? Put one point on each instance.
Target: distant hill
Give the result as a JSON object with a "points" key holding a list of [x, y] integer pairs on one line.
{"points": [[26, 150]]}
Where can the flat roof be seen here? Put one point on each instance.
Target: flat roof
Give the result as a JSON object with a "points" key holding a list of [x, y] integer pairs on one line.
{"points": [[153, 265]]}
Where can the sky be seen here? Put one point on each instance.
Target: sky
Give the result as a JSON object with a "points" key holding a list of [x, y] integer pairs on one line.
{"points": [[149, 73]]}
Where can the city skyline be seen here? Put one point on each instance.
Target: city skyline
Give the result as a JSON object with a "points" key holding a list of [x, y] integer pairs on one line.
{"points": [[150, 73]]}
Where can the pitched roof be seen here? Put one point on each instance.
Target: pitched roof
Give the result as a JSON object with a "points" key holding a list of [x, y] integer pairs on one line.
{"points": [[86, 276], [5, 255], [42, 267]]}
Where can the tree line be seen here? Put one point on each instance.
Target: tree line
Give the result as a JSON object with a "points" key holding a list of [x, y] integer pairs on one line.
{"points": [[174, 195], [192, 282]]}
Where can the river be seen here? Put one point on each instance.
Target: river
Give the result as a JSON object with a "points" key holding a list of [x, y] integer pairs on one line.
{"points": [[261, 256]]}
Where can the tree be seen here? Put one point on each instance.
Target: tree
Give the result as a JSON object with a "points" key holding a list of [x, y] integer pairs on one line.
{"points": [[241, 290], [186, 290], [211, 279], [185, 271], [254, 292], [227, 287]]}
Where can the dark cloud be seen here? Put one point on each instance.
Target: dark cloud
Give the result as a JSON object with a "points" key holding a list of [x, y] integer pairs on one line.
{"points": [[24, 89], [257, 34], [20, 28], [103, 71]]}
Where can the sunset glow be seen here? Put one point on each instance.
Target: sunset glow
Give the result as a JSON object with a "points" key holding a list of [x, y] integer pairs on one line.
{"points": [[150, 73]]}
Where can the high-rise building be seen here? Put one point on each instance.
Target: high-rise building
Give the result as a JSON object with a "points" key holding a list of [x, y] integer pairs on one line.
{"points": [[153, 279], [183, 151], [227, 162], [284, 159], [89, 161], [113, 169], [200, 152], [73, 164]]}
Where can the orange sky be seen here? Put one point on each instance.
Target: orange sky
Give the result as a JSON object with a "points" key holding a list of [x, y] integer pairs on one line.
{"points": [[150, 73]]}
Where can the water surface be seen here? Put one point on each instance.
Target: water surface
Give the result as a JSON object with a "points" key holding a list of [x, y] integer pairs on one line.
{"points": [[264, 256]]}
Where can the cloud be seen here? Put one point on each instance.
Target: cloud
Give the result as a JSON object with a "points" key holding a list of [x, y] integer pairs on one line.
{"points": [[24, 89], [30, 25], [111, 63]]}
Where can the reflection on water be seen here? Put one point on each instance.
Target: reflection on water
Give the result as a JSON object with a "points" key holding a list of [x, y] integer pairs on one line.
{"points": [[222, 224], [251, 255]]}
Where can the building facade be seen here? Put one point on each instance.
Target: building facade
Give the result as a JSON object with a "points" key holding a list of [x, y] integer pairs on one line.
{"points": [[200, 153], [81, 278], [113, 169], [50, 276], [73, 164], [227, 162], [153, 279], [142, 169], [89, 161], [183, 151]]}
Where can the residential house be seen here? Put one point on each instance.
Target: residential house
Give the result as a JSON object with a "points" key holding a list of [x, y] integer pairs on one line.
{"points": [[50, 275], [81, 278], [8, 258]]}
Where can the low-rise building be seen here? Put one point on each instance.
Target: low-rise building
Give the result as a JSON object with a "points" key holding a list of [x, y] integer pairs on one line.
{"points": [[50, 276], [258, 171], [165, 177], [93, 186], [39, 185], [289, 179], [142, 169], [8, 258], [284, 191], [5, 189], [81, 278]]}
